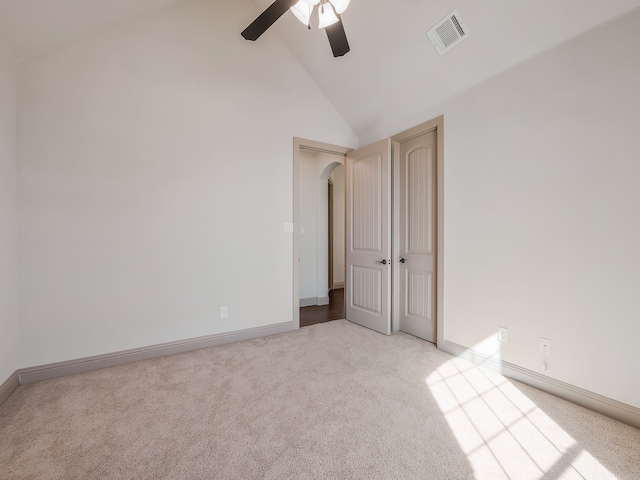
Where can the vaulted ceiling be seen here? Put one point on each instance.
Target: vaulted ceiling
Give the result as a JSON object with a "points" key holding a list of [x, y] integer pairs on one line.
{"points": [[392, 71], [31, 27]]}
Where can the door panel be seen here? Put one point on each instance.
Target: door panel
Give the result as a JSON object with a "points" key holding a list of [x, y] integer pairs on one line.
{"points": [[366, 294], [368, 185], [417, 235]]}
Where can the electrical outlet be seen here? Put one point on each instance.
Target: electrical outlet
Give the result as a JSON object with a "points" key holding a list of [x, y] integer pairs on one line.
{"points": [[503, 335], [545, 346], [224, 312]]}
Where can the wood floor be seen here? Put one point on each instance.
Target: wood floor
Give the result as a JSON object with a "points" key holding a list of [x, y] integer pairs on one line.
{"points": [[325, 313]]}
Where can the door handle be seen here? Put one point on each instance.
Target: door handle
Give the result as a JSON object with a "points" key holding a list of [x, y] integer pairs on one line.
{"points": [[403, 260], [383, 262]]}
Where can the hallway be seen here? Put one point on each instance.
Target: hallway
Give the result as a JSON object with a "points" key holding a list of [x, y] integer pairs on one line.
{"points": [[325, 313]]}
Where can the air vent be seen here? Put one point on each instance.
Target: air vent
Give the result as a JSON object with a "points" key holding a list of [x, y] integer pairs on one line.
{"points": [[448, 33]]}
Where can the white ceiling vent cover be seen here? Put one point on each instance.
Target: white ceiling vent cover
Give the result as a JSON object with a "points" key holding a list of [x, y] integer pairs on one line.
{"points": [[448, 33]]}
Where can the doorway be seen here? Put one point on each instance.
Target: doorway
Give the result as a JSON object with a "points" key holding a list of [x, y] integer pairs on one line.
{"points": [[321, 239], [334, 310], [318, 198], [394, 233], [394, 256]]}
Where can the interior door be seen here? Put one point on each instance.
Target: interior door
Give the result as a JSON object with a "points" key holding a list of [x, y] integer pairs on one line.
{"points": [[417, 248], [368, 252]]}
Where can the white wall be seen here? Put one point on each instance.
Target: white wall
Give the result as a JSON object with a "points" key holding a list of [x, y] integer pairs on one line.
{"points": [[8, 222], [339, 238], [155, 178], [542, 230], [308, 220]]}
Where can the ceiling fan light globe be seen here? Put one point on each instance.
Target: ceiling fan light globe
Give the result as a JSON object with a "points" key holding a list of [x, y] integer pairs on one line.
{"points": [[340, 5], [326, 16], [302, 10]]}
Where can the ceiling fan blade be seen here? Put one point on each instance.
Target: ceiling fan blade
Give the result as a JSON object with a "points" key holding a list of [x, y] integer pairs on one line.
{"points": [[338, 39], [267, 18]]}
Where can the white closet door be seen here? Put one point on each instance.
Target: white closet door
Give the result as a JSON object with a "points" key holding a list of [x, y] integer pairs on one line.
{"points": [[417, 269], [368, 252]]}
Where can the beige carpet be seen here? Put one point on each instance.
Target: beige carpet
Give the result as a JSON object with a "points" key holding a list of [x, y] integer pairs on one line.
{"points": [[332, 401]]}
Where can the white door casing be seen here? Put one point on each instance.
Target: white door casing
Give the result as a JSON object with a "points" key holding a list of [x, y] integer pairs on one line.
{"points": [[368, 249], [417, 236]]}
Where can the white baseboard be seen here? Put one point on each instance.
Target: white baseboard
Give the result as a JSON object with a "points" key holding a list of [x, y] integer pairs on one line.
{"points": [[311, 301], [308, 302], [323, 301], [593, 401], [338, 285], [9, 386], [61, 369]]}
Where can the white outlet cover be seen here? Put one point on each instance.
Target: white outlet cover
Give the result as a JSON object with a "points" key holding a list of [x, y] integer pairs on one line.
{"points": [[288, 227]]}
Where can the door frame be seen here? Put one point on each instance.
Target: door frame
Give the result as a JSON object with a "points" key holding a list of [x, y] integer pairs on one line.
{"points": [[437, 125], [314, 146]]}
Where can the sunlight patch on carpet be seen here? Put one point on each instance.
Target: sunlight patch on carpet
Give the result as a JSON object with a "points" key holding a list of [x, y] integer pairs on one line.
{"points": [[502, 432]]}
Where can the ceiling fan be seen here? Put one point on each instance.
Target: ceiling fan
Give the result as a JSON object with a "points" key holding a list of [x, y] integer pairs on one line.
{"points": [[329, 12]]}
